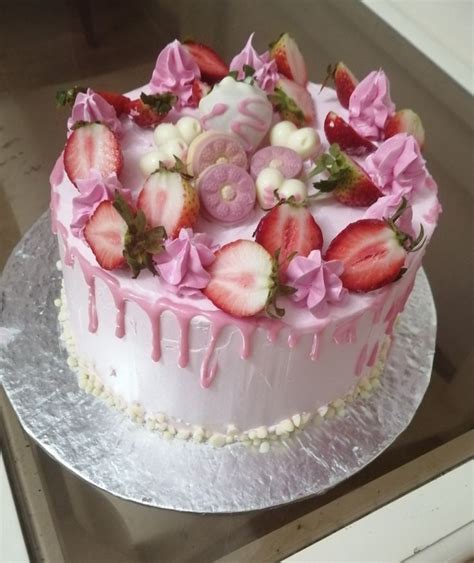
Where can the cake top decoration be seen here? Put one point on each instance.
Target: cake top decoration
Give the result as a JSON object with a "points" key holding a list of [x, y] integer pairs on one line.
{"points": [[90, 106]]}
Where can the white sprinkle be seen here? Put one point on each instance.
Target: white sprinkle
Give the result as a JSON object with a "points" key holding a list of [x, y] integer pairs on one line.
{"points": [[296, 419], [261, 432], [256, 442], [232, 429], [183, 434], [322, 411], [217, 440], [160, 417], [57, 302], [166, 435], [59, 265]]}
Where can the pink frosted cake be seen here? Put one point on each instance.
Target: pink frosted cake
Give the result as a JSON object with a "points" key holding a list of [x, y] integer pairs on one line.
{"points": [[237, 242]]}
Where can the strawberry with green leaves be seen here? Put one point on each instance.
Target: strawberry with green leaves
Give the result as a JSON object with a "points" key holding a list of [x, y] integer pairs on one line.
{"points": [[347, 181], [373, 252], [244, 280], [293, 102], [289, 60], [118, 235]]}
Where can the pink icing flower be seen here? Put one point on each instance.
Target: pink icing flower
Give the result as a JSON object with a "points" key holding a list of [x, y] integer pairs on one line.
{"points": [[92, 107], [266, 73], [175, 71], [397, 166], [92, 191], [183, 261], [317, 282], [370, 105], [385, 207]]}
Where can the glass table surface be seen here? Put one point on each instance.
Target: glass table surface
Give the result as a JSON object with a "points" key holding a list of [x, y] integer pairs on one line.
{"points": [[113, 45]]}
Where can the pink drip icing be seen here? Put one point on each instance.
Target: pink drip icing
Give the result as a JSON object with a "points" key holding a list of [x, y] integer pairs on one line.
{"points": [[315, 347], [378, 308], [183, 358], [208, 371], [217, 110], [373, 355], [246, 340], [273, 330], [361, 361], [258, 123], [346, 333], [293, 339]]}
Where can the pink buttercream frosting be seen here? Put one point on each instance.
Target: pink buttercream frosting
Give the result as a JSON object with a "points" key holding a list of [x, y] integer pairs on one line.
{"points": [[266, 72], [92, 107], [175, 71], [370, 105], [386, 206], [92, 191], [397, 166], [183, 261], [317, 282]]}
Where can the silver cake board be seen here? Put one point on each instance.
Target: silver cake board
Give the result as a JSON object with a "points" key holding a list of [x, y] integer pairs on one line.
{"points": [[108, 450]]}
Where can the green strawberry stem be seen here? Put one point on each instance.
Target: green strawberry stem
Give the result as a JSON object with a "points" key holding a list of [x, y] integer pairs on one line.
{"points": [[141, 243], [68, 97], [277, 289], [409, 243]]}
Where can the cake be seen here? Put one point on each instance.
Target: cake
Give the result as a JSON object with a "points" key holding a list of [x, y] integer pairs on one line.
{"points": [[236, 242]]}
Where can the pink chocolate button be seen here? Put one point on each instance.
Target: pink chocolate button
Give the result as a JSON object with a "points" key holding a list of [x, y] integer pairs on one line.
{"points": [[215, 148], [227, 192], [287, 161]]}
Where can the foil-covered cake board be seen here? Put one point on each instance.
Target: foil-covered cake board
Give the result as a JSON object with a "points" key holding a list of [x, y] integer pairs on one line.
{"points": [[108, 450]]}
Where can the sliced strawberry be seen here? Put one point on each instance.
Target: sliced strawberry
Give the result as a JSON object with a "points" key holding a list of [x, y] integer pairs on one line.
{"points": [[373, 251], [289, 60], [339, 131], [293, 102], [212, 67], [289, 228], [92, 145], [169, 199], [347, 181], [117, 234], [105, 233], [199, 90], [344, 81], [405, 121], [244, 280], [119, 102], [150, 109]]}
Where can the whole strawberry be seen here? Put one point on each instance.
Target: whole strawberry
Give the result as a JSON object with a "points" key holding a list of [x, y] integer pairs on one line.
{"points": [[150, 109], [169, 199], [245, 281], [347, 181], [289, 229], [373, 252]]}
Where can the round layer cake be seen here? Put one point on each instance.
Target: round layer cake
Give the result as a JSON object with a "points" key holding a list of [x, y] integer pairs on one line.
{"points": [[180, 360]]}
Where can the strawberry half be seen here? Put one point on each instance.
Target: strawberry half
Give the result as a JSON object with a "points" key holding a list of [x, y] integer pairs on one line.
{"points": [[344, 81], [119, 235], [92, 145], [105, 233], [289, 60], [212, 67], [339, 131], [289, 228], [373, 252], [293, 102], [405, 121], [150, 109], [244, 280], [169, 199], [347, 181], [199, 90]]}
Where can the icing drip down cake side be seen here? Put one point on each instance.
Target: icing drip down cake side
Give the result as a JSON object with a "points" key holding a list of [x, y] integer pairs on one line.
{"points": [[236, 242]]}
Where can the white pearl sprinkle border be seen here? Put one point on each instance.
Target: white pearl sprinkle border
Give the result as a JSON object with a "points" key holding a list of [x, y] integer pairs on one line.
{"points": [[261, 437]]}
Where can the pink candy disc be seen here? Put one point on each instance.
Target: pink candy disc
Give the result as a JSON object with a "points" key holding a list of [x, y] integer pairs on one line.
{"points": [[227, 192], [215, 148], [287, 161]]}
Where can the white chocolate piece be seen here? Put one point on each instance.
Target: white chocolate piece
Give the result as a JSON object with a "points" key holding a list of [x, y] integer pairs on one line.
{"points": [[165, 132], [269, 180], [174, 147], [293, 187], [150, 162], [305, 142], [280, 133], [189, 128]]}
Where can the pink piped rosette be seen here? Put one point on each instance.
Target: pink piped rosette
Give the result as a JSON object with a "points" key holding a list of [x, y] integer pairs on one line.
{"points": [[91, 107]]}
